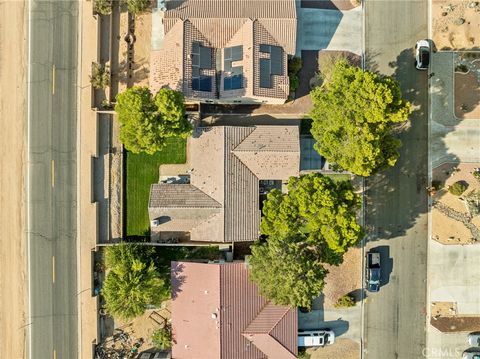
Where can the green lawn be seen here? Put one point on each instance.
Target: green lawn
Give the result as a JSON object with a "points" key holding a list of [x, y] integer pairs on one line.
{"points": [[142, 171]]}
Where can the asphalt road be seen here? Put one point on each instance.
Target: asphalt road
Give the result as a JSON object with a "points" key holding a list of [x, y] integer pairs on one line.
{"points": [[52, 179], [397, 206]]}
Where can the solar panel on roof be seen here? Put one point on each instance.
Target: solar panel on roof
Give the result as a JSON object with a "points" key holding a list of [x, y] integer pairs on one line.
{"points": [[195, 60], [227, 53], [276, 59], [237, 53], [206, 83], [265, 73], [265, 48], [205, 57]]}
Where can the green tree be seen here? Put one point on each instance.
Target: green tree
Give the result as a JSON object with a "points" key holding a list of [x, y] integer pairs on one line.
{"points": [[353, 119], [102, 7], [146, 122], [162, 338], [345, 301], [458, 188], [100, 77], [138, 6], [132, 281], [319, 208], [287, 271]]}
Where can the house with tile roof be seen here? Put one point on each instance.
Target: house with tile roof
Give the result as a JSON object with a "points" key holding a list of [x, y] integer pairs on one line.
{"points": [[231, 169], [228, 51], [217, 312]]}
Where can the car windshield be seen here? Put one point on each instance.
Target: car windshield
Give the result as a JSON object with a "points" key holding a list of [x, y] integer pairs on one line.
{"points": [[424, 56], [375, 275]]}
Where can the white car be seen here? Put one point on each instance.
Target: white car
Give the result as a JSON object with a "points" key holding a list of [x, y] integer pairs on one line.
{"points": [[422, 54], [471, 354], [315, 338], [474, 339]]}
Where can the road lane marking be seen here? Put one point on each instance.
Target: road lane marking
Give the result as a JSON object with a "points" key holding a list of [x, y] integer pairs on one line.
{"points": [[53, 173], [54, 354], [53, 79], [53, 269]]}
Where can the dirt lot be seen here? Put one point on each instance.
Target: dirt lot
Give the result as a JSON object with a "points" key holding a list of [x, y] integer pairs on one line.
{"points": [[452, 222], [456, 323], [343, 348], [467, 85], [141, 66], [344, 279], [456, 24], [13, 280]]}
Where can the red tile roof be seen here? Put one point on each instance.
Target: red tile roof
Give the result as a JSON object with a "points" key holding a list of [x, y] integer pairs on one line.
{"points": [[217, 312]]}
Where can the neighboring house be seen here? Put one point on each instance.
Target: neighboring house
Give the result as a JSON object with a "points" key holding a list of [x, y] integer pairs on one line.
{"points": [[232, 168], [218, 313], [226, 51]]}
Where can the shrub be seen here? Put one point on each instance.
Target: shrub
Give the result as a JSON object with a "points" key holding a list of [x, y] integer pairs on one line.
{"points": [[294, 66], [294, 82], [458, 188], [437, 185], [102, 7], [162, 338], [100, 77], [346, 301], [476, 173], [461, 68]]}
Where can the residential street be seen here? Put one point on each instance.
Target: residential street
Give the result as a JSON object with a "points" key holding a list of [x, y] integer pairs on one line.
{"points": [[396, 215], [52, 180]]}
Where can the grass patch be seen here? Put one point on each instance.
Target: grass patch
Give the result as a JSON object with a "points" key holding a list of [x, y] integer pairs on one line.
{"points": [[142, 171], [338, 177]]}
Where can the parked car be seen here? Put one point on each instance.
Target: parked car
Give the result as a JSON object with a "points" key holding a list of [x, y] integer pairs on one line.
{"points": [[315, 338], [373, 272], [422, 54], [472, 353], [474, 339]]}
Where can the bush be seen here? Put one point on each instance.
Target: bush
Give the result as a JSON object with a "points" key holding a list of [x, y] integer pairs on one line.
{"points": [[294, 65], [476, 173], [100, 77], [458, 188], [461, 68], [346, 301], [436, 185], [162, 338], [294, 82], [102, 7]]}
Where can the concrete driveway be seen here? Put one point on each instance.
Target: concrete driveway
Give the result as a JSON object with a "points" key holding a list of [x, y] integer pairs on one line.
{"points": [[345, 323], [454, 276], [451, 139], [320, 29]]}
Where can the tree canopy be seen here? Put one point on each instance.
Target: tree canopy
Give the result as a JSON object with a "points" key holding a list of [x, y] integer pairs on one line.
{"points": [[132, 281], [146, 121], [286, 271], [353, 118], [313, 224], [138, 6], [318, 207]]}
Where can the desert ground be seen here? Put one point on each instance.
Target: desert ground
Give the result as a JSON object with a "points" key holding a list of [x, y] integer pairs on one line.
{"points": [[456, 24], [13, 76], [451, 221]]}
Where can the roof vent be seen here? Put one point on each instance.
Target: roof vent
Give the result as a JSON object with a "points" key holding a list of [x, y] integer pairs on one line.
{"points": [[214, 315], [206, 292]]}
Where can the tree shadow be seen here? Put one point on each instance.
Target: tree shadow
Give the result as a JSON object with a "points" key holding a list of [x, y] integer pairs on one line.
{"points": [[397, 196], [177, 278]]}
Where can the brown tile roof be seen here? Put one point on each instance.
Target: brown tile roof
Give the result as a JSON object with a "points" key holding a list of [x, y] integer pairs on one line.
{"points": [[228, 163], [164, 195], [219, 24], [215, 307]]}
